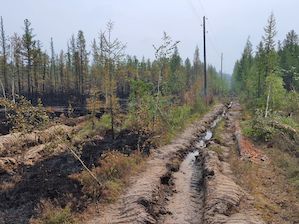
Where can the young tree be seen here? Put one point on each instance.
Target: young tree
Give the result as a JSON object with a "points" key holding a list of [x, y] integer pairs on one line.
{"points": [[188, 70], [162, 54], [196, 65], [275, 93], [112, 51]]}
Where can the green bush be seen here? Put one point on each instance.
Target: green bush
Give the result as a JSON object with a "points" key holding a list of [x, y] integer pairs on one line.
{"points": [[61, 216], [23, 116], [178, 115], [50, 214], [94, 126]]}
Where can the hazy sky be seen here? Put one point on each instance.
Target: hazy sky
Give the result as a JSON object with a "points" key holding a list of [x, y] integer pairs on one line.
{"points": [[140, 23]]}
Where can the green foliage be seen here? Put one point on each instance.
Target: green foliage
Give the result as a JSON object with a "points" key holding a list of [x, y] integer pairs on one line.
{"points": [[113, 174], [178, 115], [268, 80], [23, 116], [288, 163], [62, 216], [268, 128], [292, 102], [94, 126], [50, 214], [141, 104], [260, 127], [200, 106], [276, 91]]}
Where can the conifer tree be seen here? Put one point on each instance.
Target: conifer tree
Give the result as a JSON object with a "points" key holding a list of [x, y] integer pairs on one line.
{"points": [[27, 52]]}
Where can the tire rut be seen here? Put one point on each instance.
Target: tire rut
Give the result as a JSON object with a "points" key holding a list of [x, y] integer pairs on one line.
{"points": [[145, 200], [186, 205]]}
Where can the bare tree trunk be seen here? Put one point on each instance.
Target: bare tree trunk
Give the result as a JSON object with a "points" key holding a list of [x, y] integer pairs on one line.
{"points": [[13, 90], [110, 100], [4, 96], [3, 90], [267, 104]]}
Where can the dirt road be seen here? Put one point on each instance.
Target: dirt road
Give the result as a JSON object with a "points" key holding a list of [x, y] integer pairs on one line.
{"points": [[185, 182]]}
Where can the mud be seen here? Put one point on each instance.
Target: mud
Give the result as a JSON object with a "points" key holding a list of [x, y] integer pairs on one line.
{"points": [[225, 201], [186, 204], [146, 199]]}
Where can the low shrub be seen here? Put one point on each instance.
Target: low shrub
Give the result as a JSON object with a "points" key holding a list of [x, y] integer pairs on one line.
{"points": [[23, 116], [114, 171], [268, 128], [94, 126], [51, 214]]}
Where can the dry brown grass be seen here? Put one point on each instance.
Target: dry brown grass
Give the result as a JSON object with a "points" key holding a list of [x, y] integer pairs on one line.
{"points": [[53, 214], [274, 197], [114, 174]]}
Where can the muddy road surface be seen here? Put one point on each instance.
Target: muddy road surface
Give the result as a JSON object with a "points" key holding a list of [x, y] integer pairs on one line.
{"points": [[186, 182]]}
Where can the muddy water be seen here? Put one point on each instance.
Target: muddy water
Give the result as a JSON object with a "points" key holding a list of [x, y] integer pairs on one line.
{"points": [[186, 204]]}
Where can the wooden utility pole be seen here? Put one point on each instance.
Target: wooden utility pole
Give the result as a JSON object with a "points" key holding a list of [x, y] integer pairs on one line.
{"points": [[205, 58]]}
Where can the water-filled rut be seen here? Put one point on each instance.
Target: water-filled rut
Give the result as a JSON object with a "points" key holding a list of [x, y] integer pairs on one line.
{"points": [[186, 204], [151, 197]]}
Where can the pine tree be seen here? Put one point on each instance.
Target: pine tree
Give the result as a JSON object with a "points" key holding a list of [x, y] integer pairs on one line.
{"points": [[289, 61], [83, 60], [112, 53], [27, 51], [196, 65], [269, 45]]}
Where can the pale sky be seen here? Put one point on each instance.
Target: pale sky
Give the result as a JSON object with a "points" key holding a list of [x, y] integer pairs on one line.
{"points": [[140, 23]]}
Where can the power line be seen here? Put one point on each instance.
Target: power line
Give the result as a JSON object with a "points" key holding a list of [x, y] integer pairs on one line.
{"points": [[194, 9], [212, 41], [211, 27]]}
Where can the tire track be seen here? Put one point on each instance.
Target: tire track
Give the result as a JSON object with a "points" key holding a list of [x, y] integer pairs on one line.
{"points": [[145, 199], [186, 205]]}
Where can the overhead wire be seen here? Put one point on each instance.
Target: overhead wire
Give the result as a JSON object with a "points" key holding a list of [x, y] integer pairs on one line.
{"points": [[211, 34], [211, 28]]}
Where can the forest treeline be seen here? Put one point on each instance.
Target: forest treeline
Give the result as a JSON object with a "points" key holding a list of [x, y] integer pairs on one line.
{"points": [[267, 83], [101, 67], [268, 78], [158, 94]]}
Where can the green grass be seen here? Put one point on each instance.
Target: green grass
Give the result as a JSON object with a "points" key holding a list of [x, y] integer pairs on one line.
{"points": [[288, 164], [94, 126], [50, 214], [218, 130], [114, 173]]}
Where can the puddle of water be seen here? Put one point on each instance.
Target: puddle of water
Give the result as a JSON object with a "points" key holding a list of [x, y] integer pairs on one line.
{"points": [[190, 158], [208, 135], [186, 205]]}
